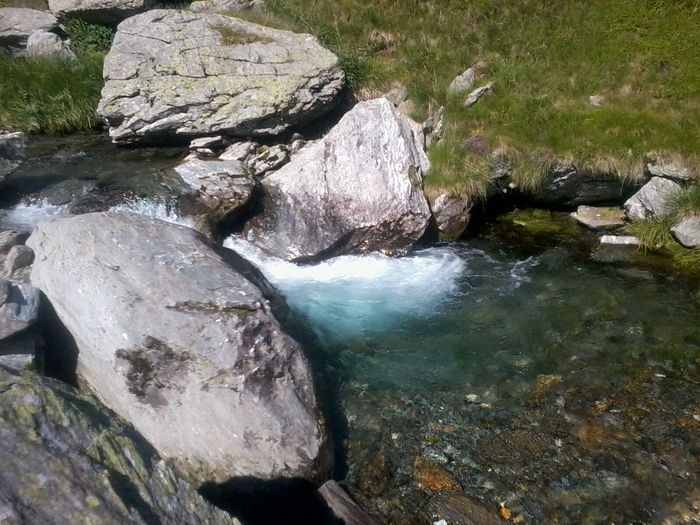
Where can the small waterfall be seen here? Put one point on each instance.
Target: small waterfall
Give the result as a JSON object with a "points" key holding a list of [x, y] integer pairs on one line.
{"points": [[354, 294], [25, 216], [156, 209]]}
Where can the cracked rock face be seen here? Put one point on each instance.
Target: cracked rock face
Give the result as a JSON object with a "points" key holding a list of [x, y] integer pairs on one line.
{"points": [[182, 345], [173, 73], [67, 460], [356, 190]]}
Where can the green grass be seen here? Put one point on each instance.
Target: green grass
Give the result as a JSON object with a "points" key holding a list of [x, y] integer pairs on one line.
{"points": [[44, 95], [546, 57]]}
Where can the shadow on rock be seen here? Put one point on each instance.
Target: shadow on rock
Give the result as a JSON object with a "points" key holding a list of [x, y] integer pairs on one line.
{"points": [[258, 502], [60, 350]]}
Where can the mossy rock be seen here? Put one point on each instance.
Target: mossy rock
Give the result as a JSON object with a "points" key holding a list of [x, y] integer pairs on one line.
{"points": [[66, 459]]}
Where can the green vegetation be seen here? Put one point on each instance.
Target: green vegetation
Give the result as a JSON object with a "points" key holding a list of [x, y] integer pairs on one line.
{"points": [[43, 95], [546, 59], [231, 37]]}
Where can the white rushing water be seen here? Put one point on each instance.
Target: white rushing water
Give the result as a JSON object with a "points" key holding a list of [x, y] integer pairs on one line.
{"points": [[25, 217], [165, 211], [352, 294]]}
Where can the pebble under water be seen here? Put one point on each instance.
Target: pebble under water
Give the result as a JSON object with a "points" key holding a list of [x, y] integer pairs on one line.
{"points": [[546, 388]]}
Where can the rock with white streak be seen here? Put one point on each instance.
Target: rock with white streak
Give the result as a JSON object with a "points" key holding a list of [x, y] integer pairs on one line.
{"points": [[356, 190], [653, 200], [176, 336], [176, 73]]}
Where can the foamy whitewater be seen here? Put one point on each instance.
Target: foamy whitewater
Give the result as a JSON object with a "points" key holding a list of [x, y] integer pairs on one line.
{"points": [[165, 211], [24, 217], [352, 294]]}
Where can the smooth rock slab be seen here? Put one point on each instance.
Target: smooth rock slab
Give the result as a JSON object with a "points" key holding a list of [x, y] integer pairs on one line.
{"points": [[356, 190], [177, 73], [687, 232], [653, 200], [599, 217], [18, 23], [106, 12], [66, 460], [182, 345]]}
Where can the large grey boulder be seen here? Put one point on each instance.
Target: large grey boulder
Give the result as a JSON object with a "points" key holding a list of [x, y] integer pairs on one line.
{"points": [[653, 200], [13, 151], [227, 6], [358, 189], [173, 73], [221, 188], [18, 23], [66, 460], [687, 232], [107, 12], [568, 186], [185, 347]]}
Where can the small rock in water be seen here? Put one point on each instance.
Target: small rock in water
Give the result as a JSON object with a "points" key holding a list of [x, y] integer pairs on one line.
{"points": [[431, 477], [599, 217], [620, 240]]}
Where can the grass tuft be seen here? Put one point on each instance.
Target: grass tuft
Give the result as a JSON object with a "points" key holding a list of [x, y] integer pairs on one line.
{"points": [[48, 95]]}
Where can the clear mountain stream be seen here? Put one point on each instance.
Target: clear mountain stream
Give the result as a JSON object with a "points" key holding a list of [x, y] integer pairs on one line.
{"points": [[548, 386]]}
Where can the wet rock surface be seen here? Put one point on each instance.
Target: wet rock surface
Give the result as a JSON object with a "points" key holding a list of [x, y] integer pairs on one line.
{"points": [[13, 152], [567, 186], [183, 345], [222, 188], [176, 73], [66, 460], [356, 190], [600, 218]]}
